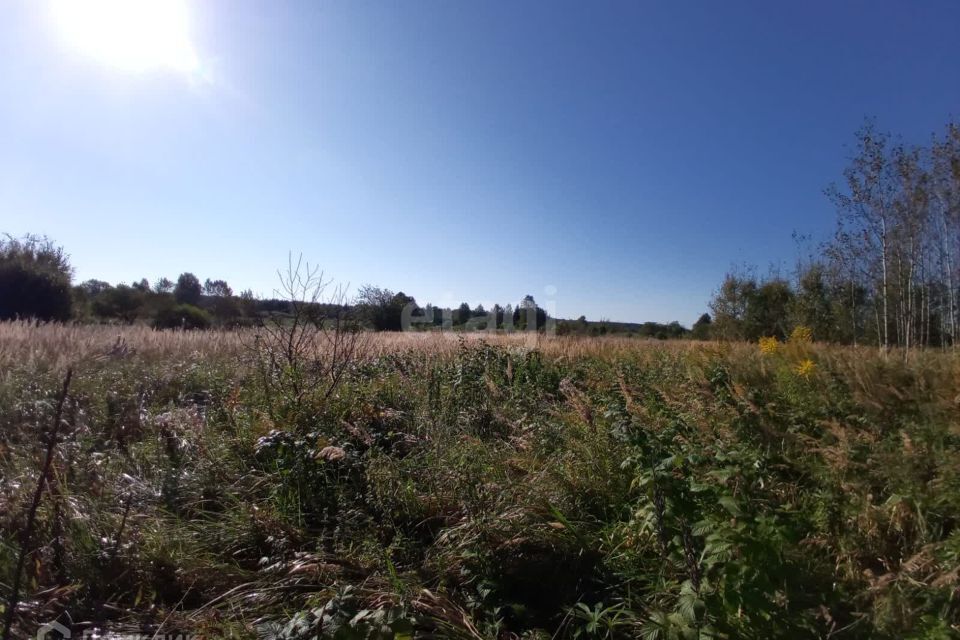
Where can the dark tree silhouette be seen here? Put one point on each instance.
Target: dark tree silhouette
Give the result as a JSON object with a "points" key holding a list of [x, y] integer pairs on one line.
{"points": [[701, 328], [34, 279], [188, 289]]}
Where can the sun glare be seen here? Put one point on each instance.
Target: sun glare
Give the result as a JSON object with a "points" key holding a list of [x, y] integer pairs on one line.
{"points": [[131, 35]]}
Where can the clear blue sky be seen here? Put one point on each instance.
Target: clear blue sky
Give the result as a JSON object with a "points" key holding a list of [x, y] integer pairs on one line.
{"points": [[621, 154]]}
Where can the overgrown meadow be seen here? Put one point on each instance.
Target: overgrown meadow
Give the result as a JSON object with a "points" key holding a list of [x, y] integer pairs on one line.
{"points": [[478, 488]]}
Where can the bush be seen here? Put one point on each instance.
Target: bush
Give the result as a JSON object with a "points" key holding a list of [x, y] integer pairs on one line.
{"points": [[34, 279], [182, 316]]}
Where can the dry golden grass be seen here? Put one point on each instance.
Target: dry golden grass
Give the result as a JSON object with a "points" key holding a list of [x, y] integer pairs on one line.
{"points": [[60, 345], [57, 346]]}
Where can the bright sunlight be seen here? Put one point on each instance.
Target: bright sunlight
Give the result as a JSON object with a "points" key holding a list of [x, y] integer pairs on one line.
{"points": [[131, 35]]}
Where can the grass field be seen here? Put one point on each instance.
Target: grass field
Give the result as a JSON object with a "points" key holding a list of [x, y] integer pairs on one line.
{"points": [[483, 487]]}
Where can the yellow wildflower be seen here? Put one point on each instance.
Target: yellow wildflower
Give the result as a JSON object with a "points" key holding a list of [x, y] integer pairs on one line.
{"points": [[806, 367], [801, 335], [769, 345]]}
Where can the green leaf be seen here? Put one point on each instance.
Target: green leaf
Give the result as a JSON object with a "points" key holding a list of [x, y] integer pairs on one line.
{"points": [[731, 505]]}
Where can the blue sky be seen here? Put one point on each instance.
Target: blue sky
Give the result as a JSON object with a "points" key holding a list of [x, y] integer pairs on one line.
{"points": [[613, 159]]}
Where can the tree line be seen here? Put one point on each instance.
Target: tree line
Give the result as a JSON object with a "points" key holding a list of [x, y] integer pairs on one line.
{"points": [[889, 275], [36, 282]]}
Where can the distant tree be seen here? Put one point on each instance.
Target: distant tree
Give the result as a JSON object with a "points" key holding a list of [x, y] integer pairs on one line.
{"points": [[768, 310], [226, 309], [120, 303], [729, 306], [600, 329], [35, 279], [188, 289], [217, 288], [812, 305], [701, 328], [163, 285], [675, 330], [382, 308], [744, 310], [397, 305], [850, 301], [143, 285], [866, 207], [373, 304], [94, 288], [462, 314], [527, 313], [83, 296], [248, 303], [427, 315], [497, 313], [479, 319]]}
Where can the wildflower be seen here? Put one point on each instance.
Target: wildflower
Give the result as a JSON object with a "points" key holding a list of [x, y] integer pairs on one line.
{"points": [[769, 345], [801, 335], [805, 368]]}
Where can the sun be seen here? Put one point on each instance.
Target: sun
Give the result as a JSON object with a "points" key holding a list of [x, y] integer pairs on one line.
{"points": [[130, 35]]}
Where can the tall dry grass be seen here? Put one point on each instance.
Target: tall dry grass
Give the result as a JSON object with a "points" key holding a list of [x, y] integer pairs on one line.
{"points": [[57, 346]]}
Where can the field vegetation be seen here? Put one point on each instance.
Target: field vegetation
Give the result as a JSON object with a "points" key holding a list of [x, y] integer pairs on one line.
{"points": [[517, 486]]}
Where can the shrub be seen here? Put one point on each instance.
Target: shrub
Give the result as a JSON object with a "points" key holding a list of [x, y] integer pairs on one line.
{"points": [[34, 279], [182, 316]]}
